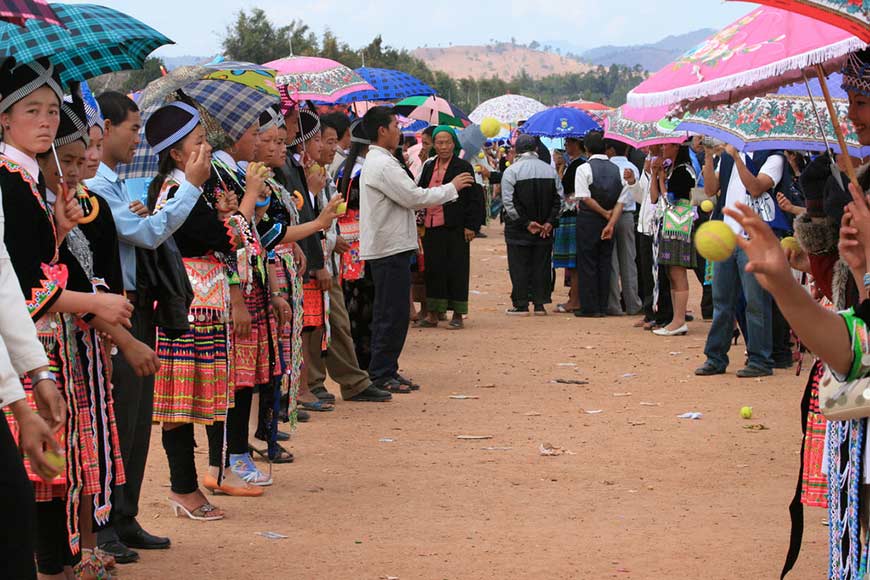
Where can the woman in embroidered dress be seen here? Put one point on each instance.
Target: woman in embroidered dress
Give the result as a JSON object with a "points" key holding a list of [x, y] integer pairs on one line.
{"points": [[56, 293], [673, 179], [841, 340], [195, 382], [279, 231], [255, 329]]}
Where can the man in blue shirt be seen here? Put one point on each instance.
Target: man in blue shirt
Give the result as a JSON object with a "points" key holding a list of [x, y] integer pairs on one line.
{"points": [[134, 395]]}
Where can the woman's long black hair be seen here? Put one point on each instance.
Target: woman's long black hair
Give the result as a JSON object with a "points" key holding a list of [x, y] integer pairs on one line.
{"points": [[356, 149], [164, 169]]}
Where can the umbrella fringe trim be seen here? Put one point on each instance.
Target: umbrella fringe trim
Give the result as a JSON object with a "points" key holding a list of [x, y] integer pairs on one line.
{"points": [[741, 80]]}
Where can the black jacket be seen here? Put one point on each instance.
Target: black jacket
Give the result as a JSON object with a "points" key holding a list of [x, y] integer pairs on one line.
{"points": [[467, 209], [292, 177], [162, 278], [530, 193]]}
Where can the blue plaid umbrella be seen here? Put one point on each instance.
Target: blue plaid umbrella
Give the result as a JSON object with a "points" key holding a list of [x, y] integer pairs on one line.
{"points": [[145, 162], [389, 85], [234, 105], [560, 122], [95, 40]]}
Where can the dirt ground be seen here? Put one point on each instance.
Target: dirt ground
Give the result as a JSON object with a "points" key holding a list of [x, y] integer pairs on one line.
{"points": [[389, 491]]}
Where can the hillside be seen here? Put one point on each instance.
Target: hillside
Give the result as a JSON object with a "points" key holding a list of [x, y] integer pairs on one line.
{"points": [[504, 60], [651, 57]]}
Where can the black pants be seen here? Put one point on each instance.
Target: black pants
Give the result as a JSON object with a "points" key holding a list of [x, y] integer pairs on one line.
{"points": [[448, 266], [18, 534], [237, 423], [529, 267], [134, 402], [391, 314], [645, 282], [593, 263], [52, 540], [179, 444]]}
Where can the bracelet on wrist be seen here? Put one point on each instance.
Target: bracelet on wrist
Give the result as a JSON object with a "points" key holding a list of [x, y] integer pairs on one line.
{"points": [[40, 376], [866, 279]]}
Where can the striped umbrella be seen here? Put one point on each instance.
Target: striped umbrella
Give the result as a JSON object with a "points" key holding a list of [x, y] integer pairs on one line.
{"points": [[93, 40], [20, 11], [389, 85]]}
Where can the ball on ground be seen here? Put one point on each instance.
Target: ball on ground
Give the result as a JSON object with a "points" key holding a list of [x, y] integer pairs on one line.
{"points": [[490, 127], [715, 241], [706, 206], [746, 412]]}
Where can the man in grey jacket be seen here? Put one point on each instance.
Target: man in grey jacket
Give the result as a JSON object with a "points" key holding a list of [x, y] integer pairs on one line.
{"points": [[531, 192], [388, 239]]}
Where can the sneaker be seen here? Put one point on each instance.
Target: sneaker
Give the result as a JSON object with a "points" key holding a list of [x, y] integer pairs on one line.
{"points": [[242, 464], [515, 311], [708, 370], [540, 310]]}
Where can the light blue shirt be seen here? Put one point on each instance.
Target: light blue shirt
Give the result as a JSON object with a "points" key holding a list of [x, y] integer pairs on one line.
{"points": [[623, 163], [133, 231]]}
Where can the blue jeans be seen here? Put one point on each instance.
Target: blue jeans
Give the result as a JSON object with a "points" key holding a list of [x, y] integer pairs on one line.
{"points": [[729, 277]]}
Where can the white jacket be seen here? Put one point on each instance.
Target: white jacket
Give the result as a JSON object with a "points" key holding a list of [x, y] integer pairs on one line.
{"points": [[388, 198], [20, 349]]}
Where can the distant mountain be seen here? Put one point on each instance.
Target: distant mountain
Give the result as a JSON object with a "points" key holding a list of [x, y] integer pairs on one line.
{"points": [[504, 60], [651, 57]]}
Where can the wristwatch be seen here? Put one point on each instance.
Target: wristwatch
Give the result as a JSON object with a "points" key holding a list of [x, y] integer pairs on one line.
{"points": [[40, 376]]}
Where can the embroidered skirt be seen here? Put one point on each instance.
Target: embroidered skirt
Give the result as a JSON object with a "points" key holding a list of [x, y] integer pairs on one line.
{"points": [[814, 487], [194, 383], [674, 252], [256, 356], [313, 305], [565, 243]]}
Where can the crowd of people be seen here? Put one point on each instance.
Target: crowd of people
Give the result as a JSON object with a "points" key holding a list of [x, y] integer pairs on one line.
{"points": [[297, 248]]}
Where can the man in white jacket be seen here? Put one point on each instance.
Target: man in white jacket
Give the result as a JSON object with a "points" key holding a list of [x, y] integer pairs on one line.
{"points": [[388, 239]]}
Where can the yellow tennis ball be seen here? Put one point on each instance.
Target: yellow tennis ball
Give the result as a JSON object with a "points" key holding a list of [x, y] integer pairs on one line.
{"points": [[746, 412], [790, 243], [490, 127], [715, 241], [501, 149], [481, 155], [707, 206], [55, 460], [507, 163], [341, 208]]}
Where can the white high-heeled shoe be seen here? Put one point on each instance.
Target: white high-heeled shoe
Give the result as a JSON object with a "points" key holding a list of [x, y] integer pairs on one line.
{"points": [[203, 513], [663, 331]]}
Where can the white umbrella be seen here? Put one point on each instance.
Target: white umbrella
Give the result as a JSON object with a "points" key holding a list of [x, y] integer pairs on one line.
{"points": [[507, 109]]}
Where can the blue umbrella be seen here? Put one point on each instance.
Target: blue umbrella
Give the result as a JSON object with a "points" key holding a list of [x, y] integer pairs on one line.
{"points": [[389, 85], [414, 127], [560, 122]]}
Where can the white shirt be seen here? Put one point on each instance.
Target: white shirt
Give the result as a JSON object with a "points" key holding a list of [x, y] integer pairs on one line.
{"points": [[583, 180], [388, 198], [635, 194], [736, 192]]}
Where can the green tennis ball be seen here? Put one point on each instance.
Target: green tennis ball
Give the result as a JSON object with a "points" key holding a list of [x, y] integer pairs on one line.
{"points": [[790, 243], [707, 206], [746, 412], [715, 241], [341, 208]]}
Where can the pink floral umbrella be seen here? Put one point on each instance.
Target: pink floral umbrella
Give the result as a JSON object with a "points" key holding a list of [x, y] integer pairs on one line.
{"points": [[311, 78], [641, 127], [757, 54]]}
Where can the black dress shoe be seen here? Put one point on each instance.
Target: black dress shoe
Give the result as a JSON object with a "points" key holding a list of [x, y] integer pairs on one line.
{"points": [[753, 372], [121, 553], [581, 314], [372, 394], [708, 370], [142, 540], [783, 364]]}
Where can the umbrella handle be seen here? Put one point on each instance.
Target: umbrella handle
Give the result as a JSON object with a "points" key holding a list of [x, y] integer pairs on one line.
{"points": [[835, 121]]}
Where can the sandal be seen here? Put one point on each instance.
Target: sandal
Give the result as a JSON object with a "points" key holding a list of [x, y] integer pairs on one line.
{"points": [[317, 406], [395, 387], [91, 566], [203, 513], [283, 456], [455, 325]]}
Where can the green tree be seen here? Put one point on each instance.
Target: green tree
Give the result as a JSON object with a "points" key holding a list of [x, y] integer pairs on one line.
{"points": [[253, 38], [138, 79]]}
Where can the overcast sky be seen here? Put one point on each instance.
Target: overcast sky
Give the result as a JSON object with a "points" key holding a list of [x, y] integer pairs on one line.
{"points": [[197, 26]]}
